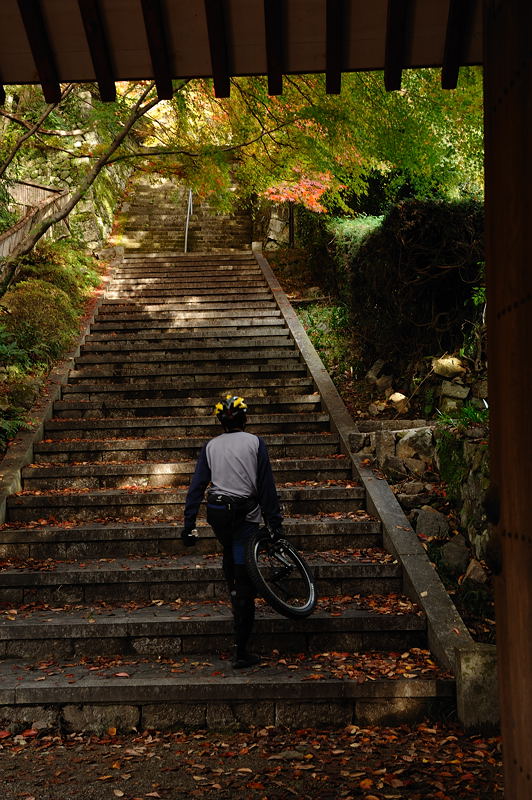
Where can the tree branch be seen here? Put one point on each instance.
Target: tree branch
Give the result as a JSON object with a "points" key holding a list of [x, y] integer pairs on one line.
{"points": [[40, 229], [43, 131], [34, 128]]}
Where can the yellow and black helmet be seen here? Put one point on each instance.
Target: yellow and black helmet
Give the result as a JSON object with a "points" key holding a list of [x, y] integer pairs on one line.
{"points": [[231, 411]]}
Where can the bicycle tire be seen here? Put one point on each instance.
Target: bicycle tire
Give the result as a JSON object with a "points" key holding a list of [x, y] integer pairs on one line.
{"points": [[281, 576]]}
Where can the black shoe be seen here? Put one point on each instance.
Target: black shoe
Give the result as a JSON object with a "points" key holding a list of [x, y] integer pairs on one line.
{"points": [[244, 660]]}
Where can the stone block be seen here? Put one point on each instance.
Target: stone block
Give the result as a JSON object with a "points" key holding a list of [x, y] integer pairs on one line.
{"points": [[384, 382], [165, 717], [448, 366], [384, 445], [374, 372], [415, 466], [477, 693], [476, 572], [399, 402], [455, 554], [357, 441], [97, 719], [416, 443], [391, 711], [21, 718], [38, 649], [450, 405], [164, 646], [456, 390], [240, 715], [432, 523], [330, 715]]}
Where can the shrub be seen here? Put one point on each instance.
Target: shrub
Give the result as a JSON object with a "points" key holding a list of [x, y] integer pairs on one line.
{"points": [[41, 318], [332, 244], [62, 264], [412, 280]]}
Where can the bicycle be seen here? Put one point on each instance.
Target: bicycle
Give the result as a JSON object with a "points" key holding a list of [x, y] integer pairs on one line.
{"points": [[281, 575]]}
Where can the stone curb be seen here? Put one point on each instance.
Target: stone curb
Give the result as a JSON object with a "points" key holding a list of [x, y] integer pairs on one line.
{"points": [[448, 636], [20, 452]]}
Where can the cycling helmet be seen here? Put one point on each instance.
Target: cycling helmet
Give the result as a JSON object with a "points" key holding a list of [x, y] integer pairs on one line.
{"points": [[231, 411]]}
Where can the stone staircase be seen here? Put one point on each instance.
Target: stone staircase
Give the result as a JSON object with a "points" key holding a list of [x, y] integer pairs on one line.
{"points": [[153, 220], [105, 619]]}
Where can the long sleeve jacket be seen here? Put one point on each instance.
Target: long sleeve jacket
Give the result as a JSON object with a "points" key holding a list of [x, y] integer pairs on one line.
{"points": [[237, 464]]}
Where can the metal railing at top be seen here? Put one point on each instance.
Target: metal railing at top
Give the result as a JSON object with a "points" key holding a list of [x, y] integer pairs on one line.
{"points": [[190, 211]]}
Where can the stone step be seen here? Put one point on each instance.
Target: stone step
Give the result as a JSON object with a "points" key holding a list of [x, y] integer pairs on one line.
{"points": [[167, 473], [204, 386], [226, 334], [238, 347], [188, 694], [188, 577], [184, 353], [172, 304], [185, 426], [180, 269], [125, 538], [207, 293], [129, 372], [161, 503], [193, 323], [194, 264], [169, 278], [285, 445], [132, 283], [197, 406], [164, 318], [200, 258], [164, 272], [187, 628]]}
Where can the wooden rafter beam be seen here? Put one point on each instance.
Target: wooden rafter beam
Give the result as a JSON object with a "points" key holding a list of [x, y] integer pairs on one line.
{"points": [[217, 30], [335, 45], [41, 48], [274, 21], [99, 48], [457, 38], [398, 33], [155, 26]]}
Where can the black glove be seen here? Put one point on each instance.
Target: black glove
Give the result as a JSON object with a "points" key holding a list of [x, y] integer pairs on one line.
{"points": [[277, 533], [189, 536]]}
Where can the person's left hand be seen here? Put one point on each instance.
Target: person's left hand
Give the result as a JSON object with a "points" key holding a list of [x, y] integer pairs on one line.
{"points": [[189, 536]]}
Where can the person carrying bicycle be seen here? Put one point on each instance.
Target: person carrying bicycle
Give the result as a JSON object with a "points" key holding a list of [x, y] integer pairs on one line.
{"points": [[242, 491]]}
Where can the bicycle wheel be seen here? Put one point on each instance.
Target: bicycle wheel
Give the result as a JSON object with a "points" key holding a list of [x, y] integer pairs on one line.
{"points": [[281, 576]]}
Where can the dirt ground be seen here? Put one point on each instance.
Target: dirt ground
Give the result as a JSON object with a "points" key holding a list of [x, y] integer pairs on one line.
{"points": [[401, 763]]}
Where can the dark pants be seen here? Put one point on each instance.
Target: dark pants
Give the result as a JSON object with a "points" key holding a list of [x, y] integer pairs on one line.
{"points": [[241, 588]]}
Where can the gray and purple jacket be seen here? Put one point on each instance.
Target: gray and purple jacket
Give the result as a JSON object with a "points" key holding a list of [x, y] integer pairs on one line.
{"points": [[236, 464]]}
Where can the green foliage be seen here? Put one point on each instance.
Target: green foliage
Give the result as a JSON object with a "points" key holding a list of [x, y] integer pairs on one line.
{"points": [[63, 264], [329, 330], [10, 424], [41, 318], [449, 436], [7, 218], [452, 467], [10, 352], [467, 416], [412, 278]]}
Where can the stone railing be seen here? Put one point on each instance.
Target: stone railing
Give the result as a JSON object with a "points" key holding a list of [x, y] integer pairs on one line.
{"points": [[41, 201]]}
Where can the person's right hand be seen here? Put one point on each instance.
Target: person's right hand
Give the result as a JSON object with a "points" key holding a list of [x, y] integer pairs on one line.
{"points": [[277, 533]]}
